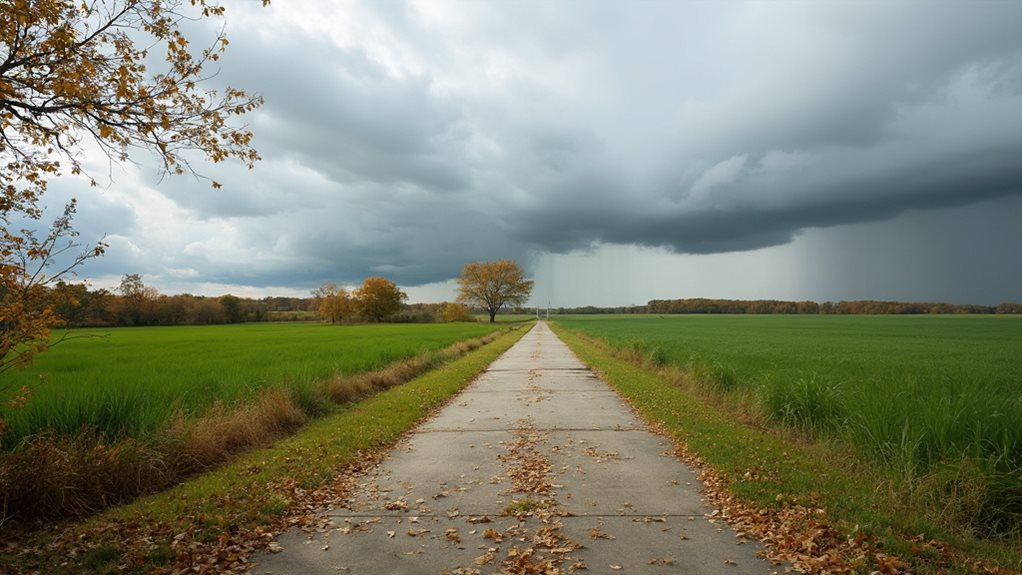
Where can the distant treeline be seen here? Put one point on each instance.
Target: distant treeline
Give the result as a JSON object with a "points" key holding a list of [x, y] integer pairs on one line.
{"points": [[709, 306], [78, 306], [135, 304], [722, 306]]}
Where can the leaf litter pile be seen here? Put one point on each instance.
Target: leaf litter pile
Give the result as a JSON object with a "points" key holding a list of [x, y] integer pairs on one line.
{"points": [[543, 550], [534, 393]]}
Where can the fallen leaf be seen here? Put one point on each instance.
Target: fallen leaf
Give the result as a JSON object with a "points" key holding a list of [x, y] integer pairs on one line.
{"points": [[493, 534]]}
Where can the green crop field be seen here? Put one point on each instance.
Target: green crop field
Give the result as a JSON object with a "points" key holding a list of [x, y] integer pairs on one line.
{"points": [[129, 381], [916, 394]]}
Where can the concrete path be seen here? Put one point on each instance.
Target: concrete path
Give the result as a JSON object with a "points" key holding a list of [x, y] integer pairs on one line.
{"points": [[537, 432]]}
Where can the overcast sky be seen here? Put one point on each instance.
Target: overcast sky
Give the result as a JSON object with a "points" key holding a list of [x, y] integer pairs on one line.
{"points": [[620, 151]]}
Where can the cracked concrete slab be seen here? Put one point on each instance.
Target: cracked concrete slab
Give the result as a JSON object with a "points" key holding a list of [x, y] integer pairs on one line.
{"points": [[611, 498]]}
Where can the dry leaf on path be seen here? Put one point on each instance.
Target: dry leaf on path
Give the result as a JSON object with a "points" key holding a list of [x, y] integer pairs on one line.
{"points": [[485, 558]]}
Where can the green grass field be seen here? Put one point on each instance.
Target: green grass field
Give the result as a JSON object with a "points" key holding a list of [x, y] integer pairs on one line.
{"points": [[921, 396], [128, 381]]}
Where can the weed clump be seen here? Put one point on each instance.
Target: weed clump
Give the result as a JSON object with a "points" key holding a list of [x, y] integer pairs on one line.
{"points": [[808, 404], [657, 357], [723, 378], [522, 507], [974, 498]]}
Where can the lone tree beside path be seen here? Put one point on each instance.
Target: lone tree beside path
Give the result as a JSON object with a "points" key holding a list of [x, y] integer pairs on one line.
{"points": [[492, 285]]}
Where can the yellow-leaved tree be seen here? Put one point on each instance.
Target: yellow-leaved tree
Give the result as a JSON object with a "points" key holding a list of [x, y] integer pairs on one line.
{"points": [[493, 285], [378, 298], [77, 74], [334, 302]]}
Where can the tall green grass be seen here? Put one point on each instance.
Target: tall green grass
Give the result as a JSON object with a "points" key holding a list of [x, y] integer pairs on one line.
{"points": [[937, 400], [128, 382]]}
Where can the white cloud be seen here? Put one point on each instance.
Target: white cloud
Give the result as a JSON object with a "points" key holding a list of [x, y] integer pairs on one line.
{"points": [[721, 174]]}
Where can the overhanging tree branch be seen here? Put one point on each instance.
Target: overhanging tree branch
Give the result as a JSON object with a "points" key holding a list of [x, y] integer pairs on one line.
{"points": [[75, 71]]}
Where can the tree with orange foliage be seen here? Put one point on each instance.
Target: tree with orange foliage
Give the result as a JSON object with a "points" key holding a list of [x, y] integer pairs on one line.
{"points": [[335, 303], [378, 298], [493, 285], [75, 74], [455, 312]]}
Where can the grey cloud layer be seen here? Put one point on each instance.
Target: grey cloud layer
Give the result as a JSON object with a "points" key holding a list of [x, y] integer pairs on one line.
{"points": [[524, 128]]}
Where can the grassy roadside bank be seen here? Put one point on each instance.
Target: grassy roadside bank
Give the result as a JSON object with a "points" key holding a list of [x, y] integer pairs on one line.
{"points": [[212, 523], [819, 506], [53, 474]]}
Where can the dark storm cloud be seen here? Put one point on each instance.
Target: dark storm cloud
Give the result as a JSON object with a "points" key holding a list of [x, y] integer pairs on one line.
{"points": [[339, 113], [915, 117], [739, 222], [402, 141]]}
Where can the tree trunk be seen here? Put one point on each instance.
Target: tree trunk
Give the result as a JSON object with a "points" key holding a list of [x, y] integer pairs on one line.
{"points": [[493, 314]]}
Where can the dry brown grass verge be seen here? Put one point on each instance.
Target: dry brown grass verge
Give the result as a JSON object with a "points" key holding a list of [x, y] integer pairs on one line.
{"points": [[201, 444], [345, 389], [53, 476]]}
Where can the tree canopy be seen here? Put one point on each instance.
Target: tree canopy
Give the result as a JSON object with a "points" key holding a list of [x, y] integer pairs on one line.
{"points": [[493, 285], [73, 72], [378, 298], [334, 302]]}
